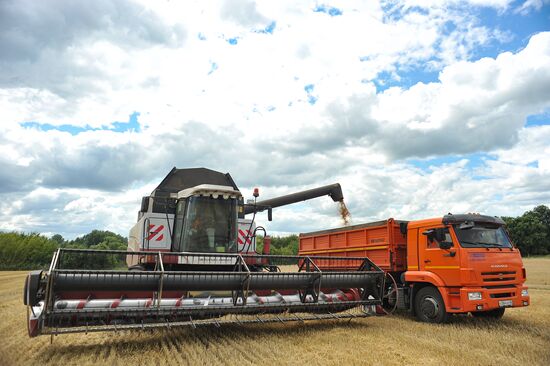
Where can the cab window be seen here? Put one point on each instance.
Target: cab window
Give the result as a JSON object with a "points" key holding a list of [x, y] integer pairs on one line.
{"points": [[432, 243]]}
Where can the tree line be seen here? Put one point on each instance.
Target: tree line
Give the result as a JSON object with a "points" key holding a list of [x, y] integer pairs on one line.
{"points": [[530, 232], [35, 251]]}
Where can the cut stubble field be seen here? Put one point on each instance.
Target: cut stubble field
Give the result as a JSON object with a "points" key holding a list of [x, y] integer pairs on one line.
{"points": [[522, 337]]}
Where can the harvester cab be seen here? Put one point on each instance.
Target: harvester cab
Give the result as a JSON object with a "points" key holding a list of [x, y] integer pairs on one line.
{"points": [[192, 261], [202, 211], [192, 210], [206, 220]]}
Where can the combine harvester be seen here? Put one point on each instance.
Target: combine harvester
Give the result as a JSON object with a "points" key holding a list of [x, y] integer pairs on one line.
{"points": [[192, 261]]}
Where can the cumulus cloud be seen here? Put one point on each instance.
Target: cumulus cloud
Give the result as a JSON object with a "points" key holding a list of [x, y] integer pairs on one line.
{"points": [[243, 12], [295, 101], [530, 5], [47, 45], [476, 106]]}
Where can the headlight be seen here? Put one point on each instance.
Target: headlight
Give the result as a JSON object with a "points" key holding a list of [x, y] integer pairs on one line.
{"points": [[474, 295], [524, 292]]}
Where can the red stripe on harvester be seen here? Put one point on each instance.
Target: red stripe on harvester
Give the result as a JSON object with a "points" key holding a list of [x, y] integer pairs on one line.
{"points": [[244, 234], [155, 232]]}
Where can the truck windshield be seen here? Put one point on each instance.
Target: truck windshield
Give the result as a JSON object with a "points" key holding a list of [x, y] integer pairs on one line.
{"points": [[206, 225], [482, 236]]}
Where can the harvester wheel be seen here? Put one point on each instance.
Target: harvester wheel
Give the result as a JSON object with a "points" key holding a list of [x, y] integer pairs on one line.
{"points": [[491, 314], [429, 306]]}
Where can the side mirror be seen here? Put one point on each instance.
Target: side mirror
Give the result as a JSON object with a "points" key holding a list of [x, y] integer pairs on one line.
{"points": [[429, 234], [439, 235]]}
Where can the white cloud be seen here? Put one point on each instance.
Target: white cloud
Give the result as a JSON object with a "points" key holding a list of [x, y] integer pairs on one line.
{"points": [[251, 116], [530, 5]]}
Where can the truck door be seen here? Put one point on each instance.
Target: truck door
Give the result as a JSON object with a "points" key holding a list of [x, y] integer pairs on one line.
{"points": [[435, 257]]}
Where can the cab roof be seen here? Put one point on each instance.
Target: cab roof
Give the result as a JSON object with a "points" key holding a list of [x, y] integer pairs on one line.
{"points": [[180, 179], [451, 219]]}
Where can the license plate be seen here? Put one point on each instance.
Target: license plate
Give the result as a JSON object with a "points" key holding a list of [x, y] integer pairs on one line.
{"points": [[505, 303]]}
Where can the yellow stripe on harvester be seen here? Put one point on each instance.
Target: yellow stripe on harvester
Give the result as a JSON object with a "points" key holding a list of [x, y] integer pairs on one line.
{"points": [[442, 267], [344, 250]]}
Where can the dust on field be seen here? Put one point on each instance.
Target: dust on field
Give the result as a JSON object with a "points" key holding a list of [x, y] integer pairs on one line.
{"points": [[521, 337]]}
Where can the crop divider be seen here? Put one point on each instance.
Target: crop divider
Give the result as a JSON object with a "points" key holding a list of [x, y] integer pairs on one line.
{"points": [[314, 286], [160, 266], [242, 293]]}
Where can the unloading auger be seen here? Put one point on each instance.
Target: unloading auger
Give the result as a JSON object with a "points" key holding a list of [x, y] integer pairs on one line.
{"points": [[192, 261]]}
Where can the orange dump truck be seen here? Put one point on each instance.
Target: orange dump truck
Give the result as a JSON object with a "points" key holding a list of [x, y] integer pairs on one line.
{"points": [[454, 264]]}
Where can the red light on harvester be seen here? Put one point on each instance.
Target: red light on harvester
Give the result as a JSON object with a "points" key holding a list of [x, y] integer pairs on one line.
{"points": [[256, 192]]}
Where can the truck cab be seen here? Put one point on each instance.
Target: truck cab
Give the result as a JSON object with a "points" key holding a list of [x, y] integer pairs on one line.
{"points": [[460, 264]]}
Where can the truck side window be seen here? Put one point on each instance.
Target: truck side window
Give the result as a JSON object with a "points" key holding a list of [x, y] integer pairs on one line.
{"points": [[433, 244]]}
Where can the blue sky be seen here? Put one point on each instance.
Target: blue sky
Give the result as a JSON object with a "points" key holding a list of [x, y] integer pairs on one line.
{"points": [[131, 125], [417, 108]]}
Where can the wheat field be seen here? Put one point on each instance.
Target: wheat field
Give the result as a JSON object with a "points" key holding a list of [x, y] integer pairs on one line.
{"points": [[522, 337]]}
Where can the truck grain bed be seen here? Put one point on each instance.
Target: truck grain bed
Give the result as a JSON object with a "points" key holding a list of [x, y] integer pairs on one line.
{"points": [[381, 241]]}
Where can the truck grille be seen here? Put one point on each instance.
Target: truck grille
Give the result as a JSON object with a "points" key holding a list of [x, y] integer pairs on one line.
{"points": [[498, 276], [503, 294], [499, 286]]}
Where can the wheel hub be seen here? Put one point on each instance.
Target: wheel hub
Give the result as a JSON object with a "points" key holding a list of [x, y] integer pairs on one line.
{"points": [[429, 307]]}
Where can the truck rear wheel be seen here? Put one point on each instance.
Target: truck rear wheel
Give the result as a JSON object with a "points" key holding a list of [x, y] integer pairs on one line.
{"points": [[490, 314], [429, 306]]}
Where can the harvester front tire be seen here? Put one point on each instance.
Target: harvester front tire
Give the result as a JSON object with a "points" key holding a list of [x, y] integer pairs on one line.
{"points": [[494, 314], [429, 306]]}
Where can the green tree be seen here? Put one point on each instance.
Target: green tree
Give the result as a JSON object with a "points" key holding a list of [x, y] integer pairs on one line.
{"points": [[25, 251], [35, 251], [96, 240], [96, 237], [531, 231], [58, 239]]}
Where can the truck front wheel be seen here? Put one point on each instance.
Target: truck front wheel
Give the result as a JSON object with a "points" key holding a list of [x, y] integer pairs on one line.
{"points": [[491, 314], [429, 306]]}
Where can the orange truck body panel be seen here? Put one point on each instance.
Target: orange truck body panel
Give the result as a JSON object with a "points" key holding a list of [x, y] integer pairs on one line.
{"points": [[497, 273], [381, 241]]}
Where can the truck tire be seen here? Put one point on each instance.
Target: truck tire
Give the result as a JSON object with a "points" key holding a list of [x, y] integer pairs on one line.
{"points": [[429, 306], [490, 314]]}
